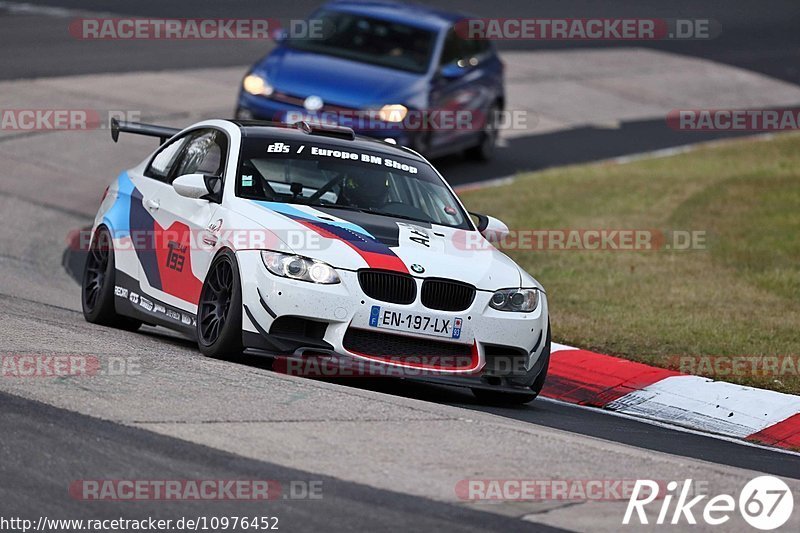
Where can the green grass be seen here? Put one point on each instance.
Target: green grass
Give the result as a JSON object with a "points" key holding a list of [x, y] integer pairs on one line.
{"points": [[739, 296]]}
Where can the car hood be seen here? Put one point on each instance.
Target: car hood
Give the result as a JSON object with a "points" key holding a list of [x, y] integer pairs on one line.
{"points": [[337, 81], [354, 240]]}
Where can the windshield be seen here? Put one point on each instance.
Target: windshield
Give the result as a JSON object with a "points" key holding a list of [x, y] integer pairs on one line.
{"points": [[380, 42], [311, 173]]}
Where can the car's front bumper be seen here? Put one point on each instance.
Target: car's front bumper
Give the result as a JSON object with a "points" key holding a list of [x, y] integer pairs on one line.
{"points": [[495, 348]]}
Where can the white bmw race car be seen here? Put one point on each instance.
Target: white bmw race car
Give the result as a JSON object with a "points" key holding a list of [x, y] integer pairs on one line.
{"points": [[308, 243]]}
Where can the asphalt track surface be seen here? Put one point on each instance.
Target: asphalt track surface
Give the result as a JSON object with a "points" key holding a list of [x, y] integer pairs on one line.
{"points": [[43, 448], [125, 453]]}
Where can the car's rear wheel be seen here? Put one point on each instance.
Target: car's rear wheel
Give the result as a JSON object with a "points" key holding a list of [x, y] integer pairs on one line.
{"points": [[484, 151], [518, 398], [219, 313], [97, 287]]}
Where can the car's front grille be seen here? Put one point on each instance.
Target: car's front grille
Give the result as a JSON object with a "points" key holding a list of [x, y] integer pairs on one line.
{"points": [[447, 295], [401, 348], [287, 98], [388, 286], [299, 101]]}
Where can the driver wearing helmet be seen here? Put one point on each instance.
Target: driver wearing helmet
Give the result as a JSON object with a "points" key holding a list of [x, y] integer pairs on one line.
{"points": [[364, 191]]}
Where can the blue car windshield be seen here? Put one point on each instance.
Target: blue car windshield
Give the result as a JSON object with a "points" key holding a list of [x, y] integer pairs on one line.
{"points": [[369, 40], [331, 177]]}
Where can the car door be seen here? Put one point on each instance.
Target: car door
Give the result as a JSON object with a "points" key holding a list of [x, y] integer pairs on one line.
{"points": [[463, 86], [175, 270]]}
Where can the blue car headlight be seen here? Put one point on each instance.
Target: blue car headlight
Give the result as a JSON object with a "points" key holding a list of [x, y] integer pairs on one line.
{"points": [[518, 300], [256, 85], [390, 113], [299, 268], [393, 113]]}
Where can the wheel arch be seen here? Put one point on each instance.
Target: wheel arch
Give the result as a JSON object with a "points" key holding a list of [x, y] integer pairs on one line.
{"points": [[106, 224], [223, 250]]}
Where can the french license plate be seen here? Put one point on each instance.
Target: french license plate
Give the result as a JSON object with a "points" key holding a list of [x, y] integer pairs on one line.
{"points": [[404, 321]]}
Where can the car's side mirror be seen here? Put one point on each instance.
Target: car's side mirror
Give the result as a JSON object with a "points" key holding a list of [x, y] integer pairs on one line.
{"points": [[452, 71], [199, 186], [492, 228]]}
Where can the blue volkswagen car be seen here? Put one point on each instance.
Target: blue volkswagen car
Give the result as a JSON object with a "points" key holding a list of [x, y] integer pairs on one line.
{"points": [[395, 71]]}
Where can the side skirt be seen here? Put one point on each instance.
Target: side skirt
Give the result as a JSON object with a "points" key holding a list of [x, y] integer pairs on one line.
{"points": [[129, 301]]}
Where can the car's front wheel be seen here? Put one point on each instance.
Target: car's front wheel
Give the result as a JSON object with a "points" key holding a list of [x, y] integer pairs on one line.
{"points": [[97, 286], [219, 312]]}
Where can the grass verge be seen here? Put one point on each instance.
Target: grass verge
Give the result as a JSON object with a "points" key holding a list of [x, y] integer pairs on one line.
{"points": [[729, 309]]}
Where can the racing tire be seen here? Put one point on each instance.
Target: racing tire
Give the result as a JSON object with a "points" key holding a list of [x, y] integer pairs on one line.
{"points": [[494, 397], [97, 285], [484, 151], [219, 311]]}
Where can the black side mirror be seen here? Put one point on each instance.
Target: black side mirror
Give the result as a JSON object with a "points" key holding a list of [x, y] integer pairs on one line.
{"points": [[214, 188], [490, 227]]}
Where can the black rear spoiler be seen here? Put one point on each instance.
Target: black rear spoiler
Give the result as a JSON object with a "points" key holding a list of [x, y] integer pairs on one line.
{"points": [[162, 132]]}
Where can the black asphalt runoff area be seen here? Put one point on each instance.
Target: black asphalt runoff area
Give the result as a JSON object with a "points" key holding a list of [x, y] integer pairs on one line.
{"points": [[45, 450]]}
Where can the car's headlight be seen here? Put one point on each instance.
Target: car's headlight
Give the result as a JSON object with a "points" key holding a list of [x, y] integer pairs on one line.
{"points": [[519, 300], [298, 267], [393, 113], [256, 85]]}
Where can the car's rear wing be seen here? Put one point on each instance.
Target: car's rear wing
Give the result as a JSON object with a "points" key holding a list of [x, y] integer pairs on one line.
{"points": [[151, 130]]}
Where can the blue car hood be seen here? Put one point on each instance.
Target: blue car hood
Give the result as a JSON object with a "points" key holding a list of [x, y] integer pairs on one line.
{"points": [[339, 81]]}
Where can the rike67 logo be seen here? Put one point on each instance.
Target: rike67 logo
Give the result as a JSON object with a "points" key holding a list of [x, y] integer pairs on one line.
{"points": [[765, 503]]}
